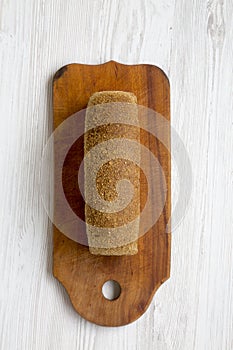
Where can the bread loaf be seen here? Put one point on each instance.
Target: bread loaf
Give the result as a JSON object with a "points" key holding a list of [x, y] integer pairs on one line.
{"points": [[113, 169]]}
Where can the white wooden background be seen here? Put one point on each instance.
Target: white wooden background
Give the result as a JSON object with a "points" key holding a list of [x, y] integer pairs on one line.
{"points": [[192, 40]]}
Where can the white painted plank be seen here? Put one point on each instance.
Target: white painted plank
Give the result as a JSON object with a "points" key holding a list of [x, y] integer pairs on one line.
{"points": [[192, 42]]}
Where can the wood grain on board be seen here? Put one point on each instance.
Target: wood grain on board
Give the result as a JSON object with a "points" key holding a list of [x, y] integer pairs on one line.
{"points": [[82, 273]]}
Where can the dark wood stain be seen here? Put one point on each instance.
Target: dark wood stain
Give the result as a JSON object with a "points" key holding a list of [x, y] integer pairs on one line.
{"points": [[59, 73]]}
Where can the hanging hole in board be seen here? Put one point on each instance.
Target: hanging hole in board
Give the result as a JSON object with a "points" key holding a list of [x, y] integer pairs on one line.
{"points": [[111, 290]]}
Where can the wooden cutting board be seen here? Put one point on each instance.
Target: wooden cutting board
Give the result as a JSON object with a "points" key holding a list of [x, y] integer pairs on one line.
{"points": [[81, 273]]}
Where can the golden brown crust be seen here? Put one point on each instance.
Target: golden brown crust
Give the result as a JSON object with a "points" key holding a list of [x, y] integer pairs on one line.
{"points": [[109, 174]]}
